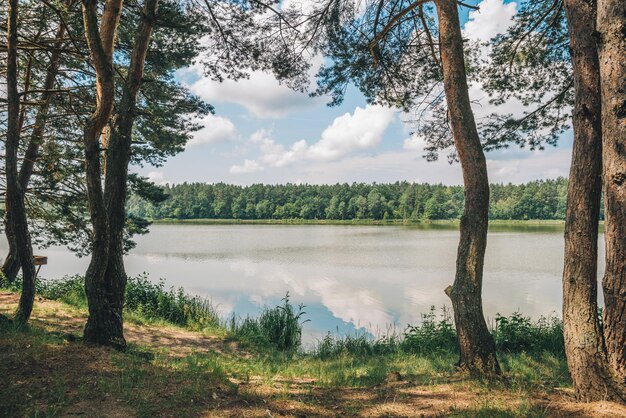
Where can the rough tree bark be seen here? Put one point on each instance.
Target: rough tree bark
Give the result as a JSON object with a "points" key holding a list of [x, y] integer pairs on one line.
{"points": [[477, 348], [14, 202], [11, 265], [584, 342], [611, 25], [104, 325], [118, 154]]}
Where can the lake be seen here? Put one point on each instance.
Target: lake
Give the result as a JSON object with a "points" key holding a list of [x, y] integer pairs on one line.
{"points": [[349, 277]]}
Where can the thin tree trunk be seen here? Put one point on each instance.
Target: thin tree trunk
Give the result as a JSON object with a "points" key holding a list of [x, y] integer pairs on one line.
{"points": [[104, 325], [611, 25], [117, 159], [477, 348], [584, 343], [14, 201], [11, 265]]}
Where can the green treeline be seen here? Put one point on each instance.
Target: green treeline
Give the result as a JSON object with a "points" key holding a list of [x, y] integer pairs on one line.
{"points": [[541, 199]]}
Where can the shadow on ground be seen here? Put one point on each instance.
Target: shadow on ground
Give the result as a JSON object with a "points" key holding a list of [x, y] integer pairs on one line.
{"points": [[47, 371]]}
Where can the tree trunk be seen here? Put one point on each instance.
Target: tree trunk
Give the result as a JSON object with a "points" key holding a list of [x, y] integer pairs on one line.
{"points": [[584, 343], [104, 325], [117, 159], [611, 25], [14, 202], [11, 265], [477, 348]]}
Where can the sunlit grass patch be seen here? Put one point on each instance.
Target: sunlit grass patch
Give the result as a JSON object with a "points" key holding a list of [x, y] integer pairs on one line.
{"points": [[497, 408]]}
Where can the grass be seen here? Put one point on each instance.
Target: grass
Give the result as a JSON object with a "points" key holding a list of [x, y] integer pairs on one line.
{"points": [[170, 370], [145, 301], [152, 301], [45, 375], [436, 335], [279, 327]]}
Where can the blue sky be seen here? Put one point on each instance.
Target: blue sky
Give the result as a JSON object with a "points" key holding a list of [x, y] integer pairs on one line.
{"points": [[263, 132]]}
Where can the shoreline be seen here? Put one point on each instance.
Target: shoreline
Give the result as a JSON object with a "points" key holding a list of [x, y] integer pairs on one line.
{"points": [[364, 222]]}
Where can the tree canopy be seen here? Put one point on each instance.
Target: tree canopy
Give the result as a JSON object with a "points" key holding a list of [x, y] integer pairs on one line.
{"points": [[542, 199]]}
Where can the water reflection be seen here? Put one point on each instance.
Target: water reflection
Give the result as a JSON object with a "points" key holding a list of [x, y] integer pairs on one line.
{"points": [[349, 277]]}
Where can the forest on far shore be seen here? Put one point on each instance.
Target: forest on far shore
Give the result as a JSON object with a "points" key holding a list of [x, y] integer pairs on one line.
{"points": [[540, 199]]}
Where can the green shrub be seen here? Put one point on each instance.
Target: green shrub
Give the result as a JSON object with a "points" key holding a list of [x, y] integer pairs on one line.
{"points": [[432, 336], [71, 290], [517, 333]]}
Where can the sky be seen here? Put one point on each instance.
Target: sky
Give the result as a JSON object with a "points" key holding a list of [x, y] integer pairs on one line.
{"points": [[263, 132]]}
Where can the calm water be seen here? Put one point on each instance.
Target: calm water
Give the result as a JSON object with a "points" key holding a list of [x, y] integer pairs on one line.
{"points": [[349, 277]]}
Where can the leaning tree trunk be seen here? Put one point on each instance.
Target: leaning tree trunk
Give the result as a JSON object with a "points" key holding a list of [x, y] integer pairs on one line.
{"points": [[117, 160], [584, 343], [477, 348], [14, 202], [104, 325], [611, 25], [11, 265]]}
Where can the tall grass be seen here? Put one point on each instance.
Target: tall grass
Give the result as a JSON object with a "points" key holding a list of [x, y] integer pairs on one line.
{"points": [[436, 336], [359, 344], [151, 301], [279, 327], [154, 301], [432, 336]]}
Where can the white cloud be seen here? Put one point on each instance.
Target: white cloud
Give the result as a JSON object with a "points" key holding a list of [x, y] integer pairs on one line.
{"points": [[216, 129], [414, 143], [157, 177], [385, 167], [360, 130], [350, 132], [260, 135], [275, 154], [492, 18], [261, 93], [248, 166], [388, 167], [550, 163]]}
